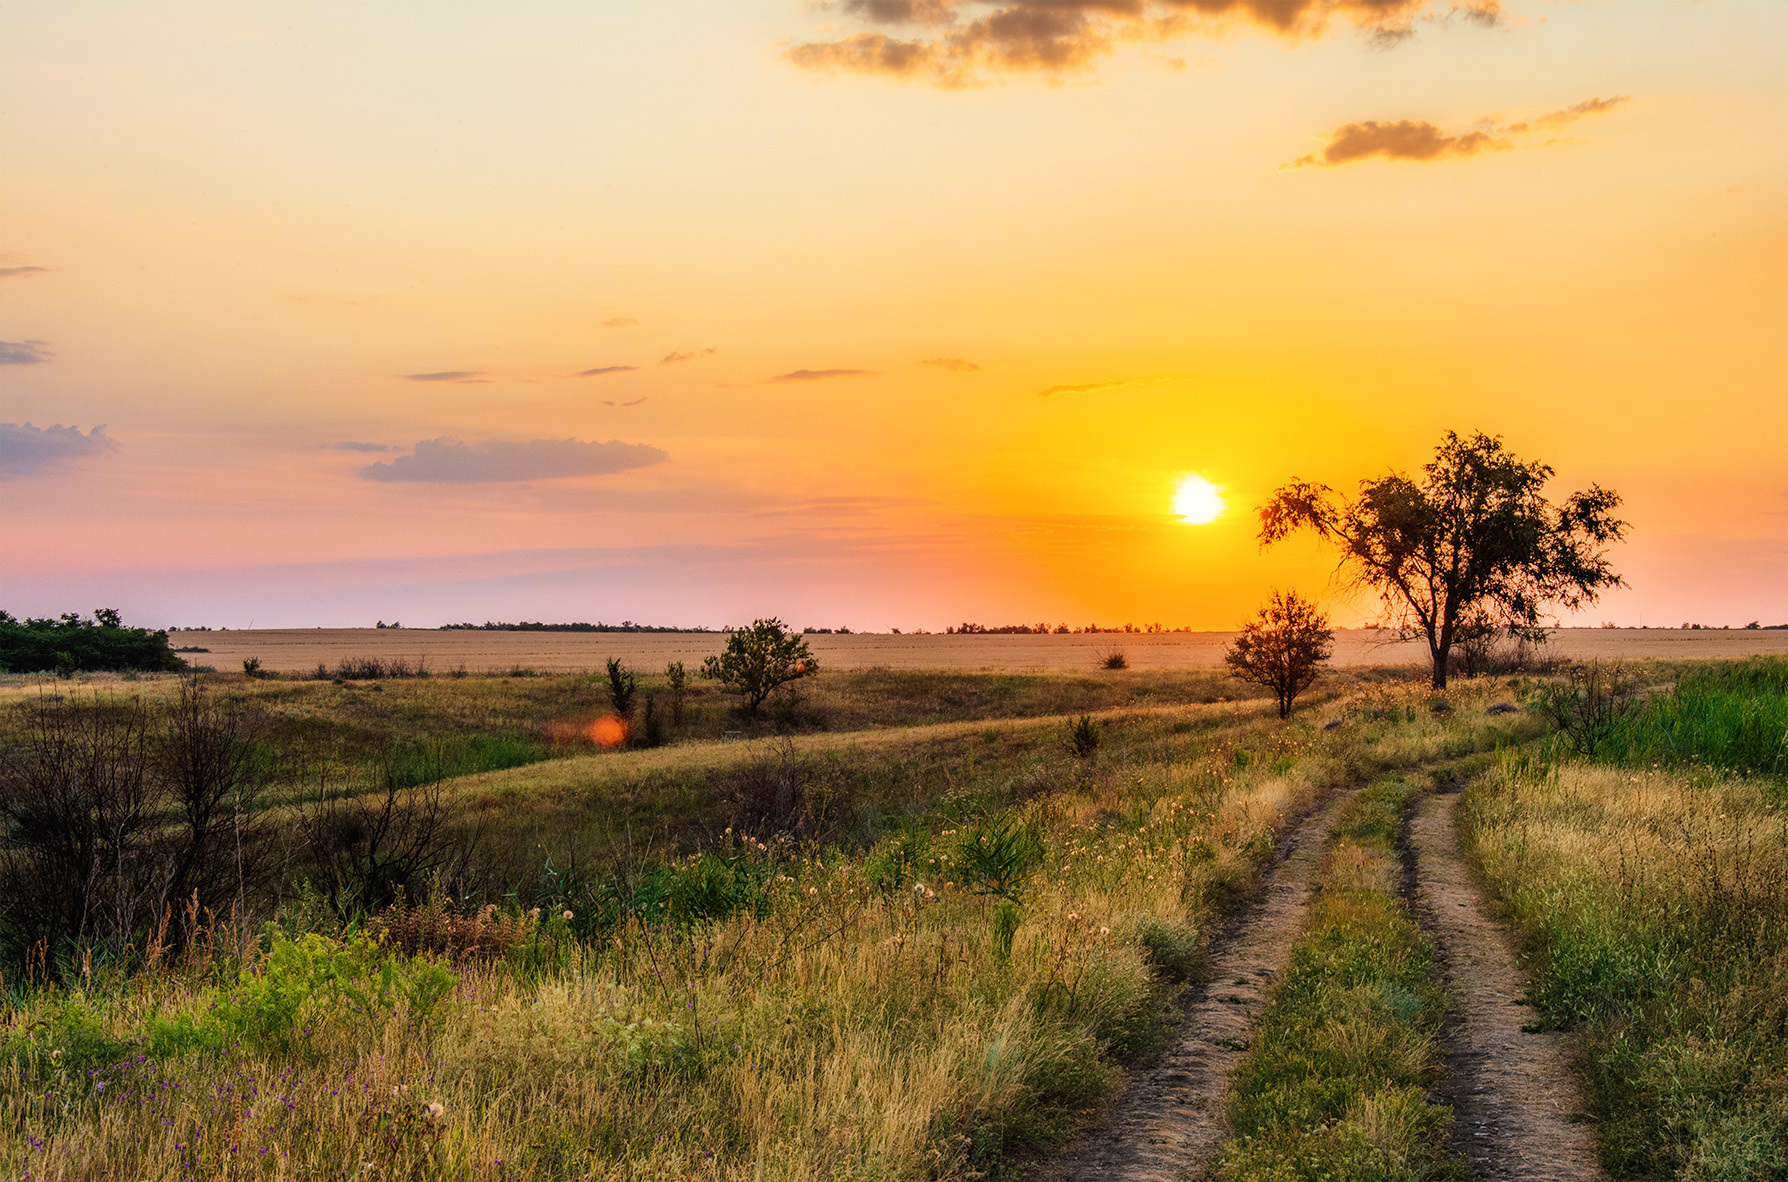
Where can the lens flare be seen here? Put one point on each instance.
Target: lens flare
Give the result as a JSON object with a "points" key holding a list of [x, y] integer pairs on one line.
{"points": [[1197, 501], [608, 732]]}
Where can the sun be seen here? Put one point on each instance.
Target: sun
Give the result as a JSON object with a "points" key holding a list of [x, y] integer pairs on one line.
{"points": [[1198, 501]]}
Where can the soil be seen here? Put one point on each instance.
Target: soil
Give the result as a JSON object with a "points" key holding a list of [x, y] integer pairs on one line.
{"points": [[1170, 1121], [1518, 1113]]}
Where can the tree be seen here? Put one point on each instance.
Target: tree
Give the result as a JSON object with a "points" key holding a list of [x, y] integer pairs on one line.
{"points": [[1283, 649], [760, 658], [1474, 546]]}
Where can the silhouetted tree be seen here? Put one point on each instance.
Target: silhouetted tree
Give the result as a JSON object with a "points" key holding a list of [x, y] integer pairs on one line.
{"points": [[1474, 544], [1283, 649]]}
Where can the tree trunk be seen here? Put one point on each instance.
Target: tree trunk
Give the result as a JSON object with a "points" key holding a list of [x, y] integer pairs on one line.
{"points": [[1440, 668]]}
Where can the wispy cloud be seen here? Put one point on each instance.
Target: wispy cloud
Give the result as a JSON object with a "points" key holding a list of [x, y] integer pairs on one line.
{"points": [[351, 445], [24, 352], [446, 375], [1089, 388], [19, 272], [26, 450], [955, 43], [620, 322], [673, 357], [602, 369], [630, 402], [448, 461], [821, 375], [953, 364], [1419, 140]]}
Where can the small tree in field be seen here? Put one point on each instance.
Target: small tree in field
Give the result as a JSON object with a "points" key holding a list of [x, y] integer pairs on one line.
{"points": [[1283, 649], [1472, 548], [760, 658]]}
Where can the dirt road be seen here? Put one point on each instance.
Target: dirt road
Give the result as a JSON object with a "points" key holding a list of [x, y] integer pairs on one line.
{"points": [[1518, 1112], [1170, 1120]]}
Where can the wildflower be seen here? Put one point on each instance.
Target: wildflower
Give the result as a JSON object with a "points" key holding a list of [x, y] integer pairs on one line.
{"points": [[568, 914]]}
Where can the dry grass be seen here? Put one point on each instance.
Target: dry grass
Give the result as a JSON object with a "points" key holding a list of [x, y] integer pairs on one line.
{"points": [[1656, 907]]}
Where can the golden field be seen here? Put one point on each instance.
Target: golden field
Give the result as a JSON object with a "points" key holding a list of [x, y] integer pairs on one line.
{"points": [[303, 649]]}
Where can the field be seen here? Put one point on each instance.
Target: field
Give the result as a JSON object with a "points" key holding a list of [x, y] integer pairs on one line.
{"points": [[910, 923], [302, 650]]}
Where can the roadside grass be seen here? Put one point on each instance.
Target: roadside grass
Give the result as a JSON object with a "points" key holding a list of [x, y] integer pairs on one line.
{"points": [[1731, 716], [1654, 906], [914, 999], [1335, 1083]]}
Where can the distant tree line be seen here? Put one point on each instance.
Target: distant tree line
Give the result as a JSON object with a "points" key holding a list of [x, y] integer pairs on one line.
{"points": [[537, 626], [971, 629], [72, 644]]}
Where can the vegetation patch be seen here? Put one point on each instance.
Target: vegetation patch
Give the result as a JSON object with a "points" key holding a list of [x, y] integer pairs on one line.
{"points": [[1335, 1083]]}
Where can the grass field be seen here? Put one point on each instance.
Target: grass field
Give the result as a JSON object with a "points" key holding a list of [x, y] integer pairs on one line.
{"points": [[916, 936]]}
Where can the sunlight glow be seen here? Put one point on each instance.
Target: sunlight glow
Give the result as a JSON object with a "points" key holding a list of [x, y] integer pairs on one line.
{"points": [[1198, 501]]}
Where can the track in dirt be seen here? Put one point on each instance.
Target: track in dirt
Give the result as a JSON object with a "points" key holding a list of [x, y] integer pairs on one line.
{"points": [[1170, 1119], [1518, 1112]]}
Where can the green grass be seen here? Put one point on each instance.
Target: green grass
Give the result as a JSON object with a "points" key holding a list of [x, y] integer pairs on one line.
{"points": [[1335, 1083], [1733, 717]]}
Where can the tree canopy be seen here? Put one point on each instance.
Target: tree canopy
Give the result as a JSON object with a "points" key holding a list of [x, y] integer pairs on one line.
{"points": [[1283, 649], [75, 645], [760, 658], [1471, 547]]}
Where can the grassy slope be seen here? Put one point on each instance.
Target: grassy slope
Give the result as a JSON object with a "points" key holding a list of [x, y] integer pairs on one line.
{"points": [[845, 1012]]}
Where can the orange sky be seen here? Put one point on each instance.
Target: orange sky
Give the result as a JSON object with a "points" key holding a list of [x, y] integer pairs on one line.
{"points": [[911, 311]]}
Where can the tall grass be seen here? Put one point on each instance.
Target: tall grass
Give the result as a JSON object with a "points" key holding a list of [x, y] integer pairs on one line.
{"points": [[1654, 904], [1335, 1083], [1732, 716]]}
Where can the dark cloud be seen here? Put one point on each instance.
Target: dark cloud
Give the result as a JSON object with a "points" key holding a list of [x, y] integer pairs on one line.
{"points": [[35, 451], [1405, 139], [446, 376], [620, 322], [350, 445], [630, 402], [24, 352], [602, 369], [448, 461], [821, 375], [1411, 139], [17, 272], [673, 357], [953, 364], [961, 42]]}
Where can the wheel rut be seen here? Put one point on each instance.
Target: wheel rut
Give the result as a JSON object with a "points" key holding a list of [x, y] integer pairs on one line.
{"points": [[1518, 1110], [1169, 1122]]}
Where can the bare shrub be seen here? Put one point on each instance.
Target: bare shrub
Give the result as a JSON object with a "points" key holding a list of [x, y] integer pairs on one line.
{"points": [[380, 668], [370, 850], [435, 928], [1114, 659], [117, 825], [771, 793]]}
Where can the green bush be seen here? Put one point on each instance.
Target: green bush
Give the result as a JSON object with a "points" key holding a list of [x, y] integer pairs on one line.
{"points": [[70, 644]]}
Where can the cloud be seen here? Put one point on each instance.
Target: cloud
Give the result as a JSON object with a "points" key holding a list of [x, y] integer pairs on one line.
{"points": [[961, 42], [602, 369], [1412, 139], [16, 272], [1571, 114], [446, 375], [35, 451], [1088, 388], [673, 357], [953, 364], [821, 375], [1406, 139], [448, 461], [350, 445], [24, 352], [632, 402], [620, 322]]}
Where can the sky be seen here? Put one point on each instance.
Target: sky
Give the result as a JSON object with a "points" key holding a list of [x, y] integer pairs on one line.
{"points": [[869, 313]]}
